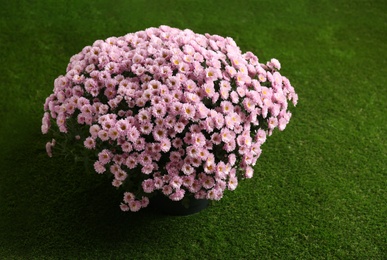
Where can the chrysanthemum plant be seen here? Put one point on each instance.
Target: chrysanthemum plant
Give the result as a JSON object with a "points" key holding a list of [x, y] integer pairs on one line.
{"points": [[169, 111]]}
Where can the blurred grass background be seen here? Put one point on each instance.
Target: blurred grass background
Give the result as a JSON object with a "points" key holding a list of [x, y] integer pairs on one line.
{"points": [[319, 189]]}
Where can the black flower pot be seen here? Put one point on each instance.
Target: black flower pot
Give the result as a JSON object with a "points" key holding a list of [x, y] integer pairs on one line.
{"points": [[187, 206]]}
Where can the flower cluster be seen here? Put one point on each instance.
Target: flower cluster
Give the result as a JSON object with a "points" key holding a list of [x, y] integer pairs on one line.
{"points": [[170, 110]]}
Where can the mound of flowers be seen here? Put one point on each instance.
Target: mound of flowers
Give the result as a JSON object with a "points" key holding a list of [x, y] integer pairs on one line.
{"points": [[170, 111]]}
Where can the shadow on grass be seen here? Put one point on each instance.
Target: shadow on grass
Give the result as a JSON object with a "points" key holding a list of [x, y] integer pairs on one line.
{"points": [[50, 205]]}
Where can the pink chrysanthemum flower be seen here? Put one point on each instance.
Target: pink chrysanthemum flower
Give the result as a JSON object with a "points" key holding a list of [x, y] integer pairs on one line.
{"points": [[208, 182], [167, 190], [188, 111], [120, 175], [188, 181], [159, 133], [169, 122], [249, 172], [134, 205], [165, 145], [176, 182], [126, 147], [103, 135], [133, 134], [214, 194], [201, 194], [144, 202], [122, 126], [195, 186], [274, 63], [146, 128], [273, 122], [113, 133], [199, 139], [179, 127], [187, 169], [89, 143], [131, 162], [144, 159], [124, 207], [158, 182], [232, 183], [128, 197], [159, 111], [49, 146], [94, 129], [98, 167], [148, 186], [177, 195], [104, 156], [209, 89], [193, 151]]}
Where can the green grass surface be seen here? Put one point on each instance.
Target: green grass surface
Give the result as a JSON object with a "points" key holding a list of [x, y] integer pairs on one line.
{"points": [[319, 189]]}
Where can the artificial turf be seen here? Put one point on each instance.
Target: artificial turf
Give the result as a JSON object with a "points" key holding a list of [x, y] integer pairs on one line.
{"points": [[319, 189]]}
